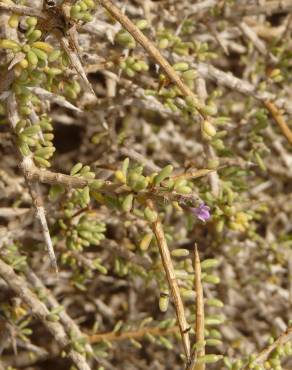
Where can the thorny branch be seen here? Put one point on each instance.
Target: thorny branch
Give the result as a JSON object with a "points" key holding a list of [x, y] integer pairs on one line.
{"points": [[172, 282], [278, 117], [133, 334], [33, 174], [200, 324]]}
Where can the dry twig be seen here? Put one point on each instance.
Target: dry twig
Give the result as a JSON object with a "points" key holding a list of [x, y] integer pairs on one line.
{"points": [[244, 87], [200, 325], [152, 51], [268, 7], [127, 254], [69, 324], [280, 341], [23, 10], [279, 119], [134, 334], [258, 43], [44, 176], [172, 282], [209, 151], [58, 19], [38, 308]]}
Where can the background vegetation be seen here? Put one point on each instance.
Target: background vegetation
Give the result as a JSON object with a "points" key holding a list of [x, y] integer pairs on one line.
{"points": [[145, 176]]}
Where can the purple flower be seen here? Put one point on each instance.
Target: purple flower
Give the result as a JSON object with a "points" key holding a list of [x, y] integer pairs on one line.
{"points": [[202, 212]]}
